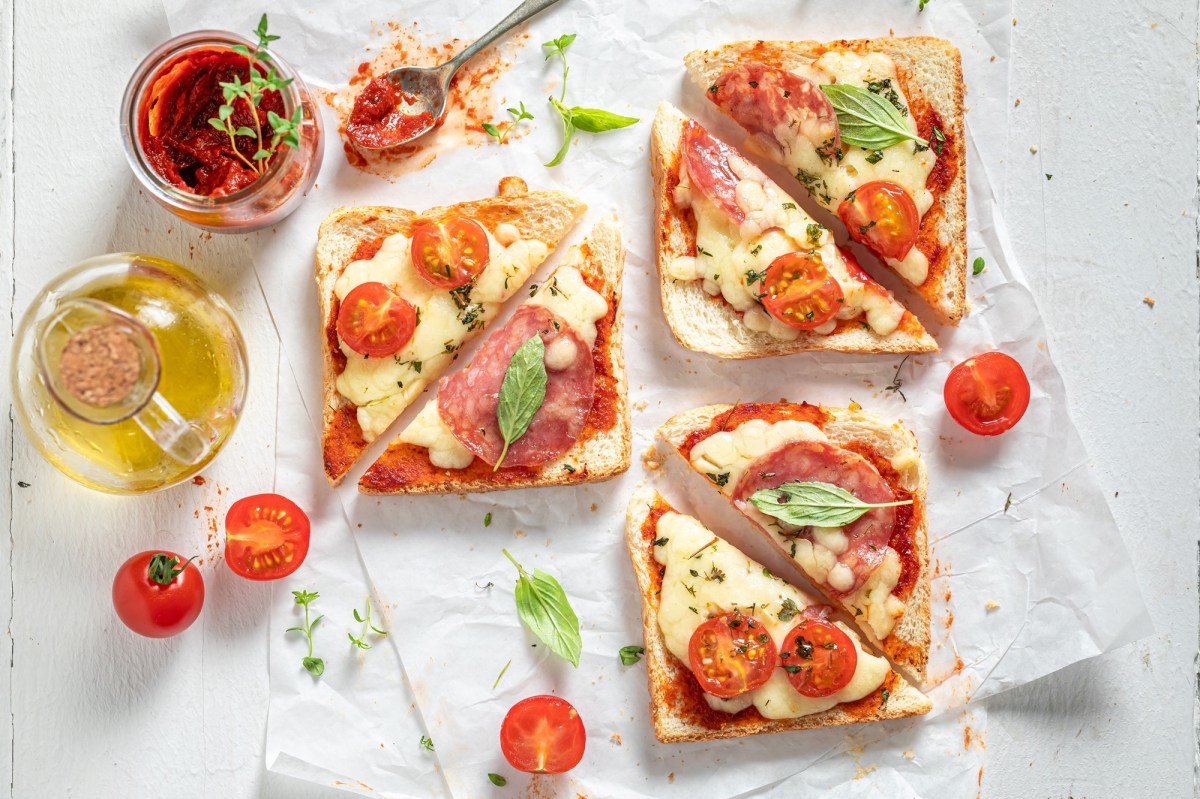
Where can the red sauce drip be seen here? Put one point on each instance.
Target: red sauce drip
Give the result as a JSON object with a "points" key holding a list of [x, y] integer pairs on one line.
{"points": [[380, 119], [177, 140]]}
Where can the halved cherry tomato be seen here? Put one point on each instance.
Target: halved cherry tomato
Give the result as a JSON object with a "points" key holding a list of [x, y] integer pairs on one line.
{"points": [[451, 254], [731, 654], [818, 657], [799, 291], [374, 320], [882, 216], [158, 594], [987, 394], [266, 537], [543, 735]]}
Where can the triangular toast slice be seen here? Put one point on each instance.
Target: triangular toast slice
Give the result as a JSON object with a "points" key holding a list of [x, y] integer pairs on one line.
{"points": [[722, 229], [600, 450], [686, 574], [921, 77], [363, 395], [737, 448]]}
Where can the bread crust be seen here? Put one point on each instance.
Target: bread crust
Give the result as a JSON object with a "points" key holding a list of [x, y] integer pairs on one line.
{"points": [[709, 324], [673, 690], [929, 70], [543, 215], [908, 644], [598, 455]]}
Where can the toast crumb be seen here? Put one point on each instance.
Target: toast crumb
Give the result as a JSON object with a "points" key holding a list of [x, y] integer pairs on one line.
{"points": [[992, 605], [1017, 103], [908, 754], [1149, 301], [651, 459], [615, 738], [1033, 149]]}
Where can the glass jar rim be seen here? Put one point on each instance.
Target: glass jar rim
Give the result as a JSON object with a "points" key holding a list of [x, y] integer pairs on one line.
{"points": [[148, 68]]}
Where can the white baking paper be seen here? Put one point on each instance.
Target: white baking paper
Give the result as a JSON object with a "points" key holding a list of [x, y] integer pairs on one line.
{"points": [[1019, 591]]}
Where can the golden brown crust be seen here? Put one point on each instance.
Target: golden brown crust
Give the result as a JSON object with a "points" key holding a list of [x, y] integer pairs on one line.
{"points": [[604, 446], [876, 440], [930, 74], [348, 234], [709, 324], [677, 706]]}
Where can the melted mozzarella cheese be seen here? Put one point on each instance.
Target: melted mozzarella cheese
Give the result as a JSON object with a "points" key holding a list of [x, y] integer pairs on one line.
{"points": [[902, 163], [729, 452], [383, 387], [732, 258], [568, 297], [429, 431], [745, 585]]}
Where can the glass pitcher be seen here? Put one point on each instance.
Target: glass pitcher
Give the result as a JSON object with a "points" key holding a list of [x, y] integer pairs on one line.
{"points": [[128, 373]]}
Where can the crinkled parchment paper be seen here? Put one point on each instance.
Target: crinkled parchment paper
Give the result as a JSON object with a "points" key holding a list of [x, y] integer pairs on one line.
{"points": [[1020, 591]]}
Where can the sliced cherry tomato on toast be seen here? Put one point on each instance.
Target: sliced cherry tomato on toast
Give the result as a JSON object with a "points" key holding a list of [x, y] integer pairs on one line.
{"points": [[543, 735], [882, 216], [158, 594], [374, 320], [451, 254], [266, 537], [987, 394], [818, 657], [799, 291], [731, 654]]}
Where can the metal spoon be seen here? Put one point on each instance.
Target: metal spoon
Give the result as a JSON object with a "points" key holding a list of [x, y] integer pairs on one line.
{"points": [[430, 86]]}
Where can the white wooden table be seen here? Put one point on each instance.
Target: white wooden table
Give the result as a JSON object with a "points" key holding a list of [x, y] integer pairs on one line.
{"points": [[1108, 107]]}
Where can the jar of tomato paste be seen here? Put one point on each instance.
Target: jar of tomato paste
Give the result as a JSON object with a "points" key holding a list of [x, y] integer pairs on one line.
{"points": [[221, 132]]}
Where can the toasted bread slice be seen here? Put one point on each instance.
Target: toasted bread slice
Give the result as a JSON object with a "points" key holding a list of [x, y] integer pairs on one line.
{"points": [[892, 449], [603, 449], [709, 324], [350, 234], [677, 704], [929, 71]]}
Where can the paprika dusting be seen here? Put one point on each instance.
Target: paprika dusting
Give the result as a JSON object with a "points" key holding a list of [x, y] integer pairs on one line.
{"points": [[177, 137], [379, 117]]}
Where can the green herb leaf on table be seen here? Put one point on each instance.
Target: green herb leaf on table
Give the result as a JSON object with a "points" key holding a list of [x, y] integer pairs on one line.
{"points": [[577, 118], [426, 743], [978, 266], [502, 135], [631, 654], [497, 780], [544, 608], [501, 674], [596, 120], [313, 665], [522, 392], [866, 119], [814, 504], [367, 626]]}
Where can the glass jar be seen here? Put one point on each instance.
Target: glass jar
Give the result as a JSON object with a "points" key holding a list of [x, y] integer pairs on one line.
{"points": [[128, 373], [267, 200]]}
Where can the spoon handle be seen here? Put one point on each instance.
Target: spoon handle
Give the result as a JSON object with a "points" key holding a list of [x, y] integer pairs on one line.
{"points": [[521, 13]]}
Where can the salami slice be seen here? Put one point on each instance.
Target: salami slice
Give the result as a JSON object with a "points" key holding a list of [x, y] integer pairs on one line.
{"points": [[467, 400], [818, 462], [775, 105], [708, 169]]}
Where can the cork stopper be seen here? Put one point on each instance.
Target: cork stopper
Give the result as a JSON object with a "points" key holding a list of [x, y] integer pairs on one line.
{"points": [[100, 366]]}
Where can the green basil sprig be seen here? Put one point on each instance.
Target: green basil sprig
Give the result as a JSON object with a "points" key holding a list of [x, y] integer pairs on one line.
{"points": [[522, 392], [543, 607], [814, 504], [576, 118], [867, 120]]}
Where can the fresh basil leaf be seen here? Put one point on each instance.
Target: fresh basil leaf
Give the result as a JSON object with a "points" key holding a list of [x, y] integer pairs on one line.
{"points": [[631, 654], [814, 504], [978, 266], [596, 120], [522, 392], [543, 607], [497, 780], [314, 666], [867, 120], [490, 129]]}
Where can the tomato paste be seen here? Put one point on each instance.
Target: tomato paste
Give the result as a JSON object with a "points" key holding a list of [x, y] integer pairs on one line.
{"points": [[176, 137], [378, 118]]}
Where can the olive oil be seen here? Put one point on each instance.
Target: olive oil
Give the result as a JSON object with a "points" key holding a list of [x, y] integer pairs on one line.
{"points": [[201, 376]]}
